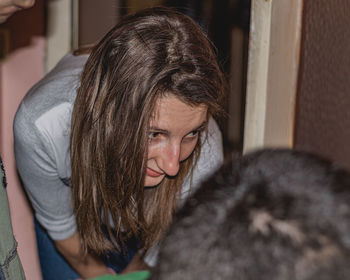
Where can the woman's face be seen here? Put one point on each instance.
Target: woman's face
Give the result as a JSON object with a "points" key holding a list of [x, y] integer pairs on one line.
{"points": [[174, 132]]}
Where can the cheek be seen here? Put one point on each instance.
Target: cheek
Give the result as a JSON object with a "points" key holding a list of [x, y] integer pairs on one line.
{"points": [[187, 149], [155, 148]]}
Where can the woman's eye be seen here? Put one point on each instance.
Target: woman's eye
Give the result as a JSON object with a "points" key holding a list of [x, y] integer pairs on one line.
{"points": [[193, 134], [153, 135]]}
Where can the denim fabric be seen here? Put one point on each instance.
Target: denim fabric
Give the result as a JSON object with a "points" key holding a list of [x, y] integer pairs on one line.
{"points": [[10, 264], [55, 267]]}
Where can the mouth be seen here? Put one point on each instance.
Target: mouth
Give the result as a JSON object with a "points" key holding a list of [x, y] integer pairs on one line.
{"points": [[152, 173]]}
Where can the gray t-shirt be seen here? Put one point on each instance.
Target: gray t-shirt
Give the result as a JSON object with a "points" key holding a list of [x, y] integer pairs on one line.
{"points": [[41, 131]]}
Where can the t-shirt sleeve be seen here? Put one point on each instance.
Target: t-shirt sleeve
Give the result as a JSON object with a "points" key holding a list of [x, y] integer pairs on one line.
{"points": [[38, 159]]}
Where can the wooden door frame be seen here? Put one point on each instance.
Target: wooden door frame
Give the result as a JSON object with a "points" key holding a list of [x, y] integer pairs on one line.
{"points": [[61, 25], [273, 62]]}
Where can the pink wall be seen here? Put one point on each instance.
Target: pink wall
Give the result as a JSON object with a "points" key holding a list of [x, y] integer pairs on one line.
{"points": [[18, 73], [23, 67]]}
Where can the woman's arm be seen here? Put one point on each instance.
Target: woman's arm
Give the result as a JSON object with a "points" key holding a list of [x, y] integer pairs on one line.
{"points": [[87, 266], [136, 264]]}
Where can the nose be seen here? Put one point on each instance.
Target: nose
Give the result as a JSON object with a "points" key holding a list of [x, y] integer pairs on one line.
{"points": [[169, 159]]}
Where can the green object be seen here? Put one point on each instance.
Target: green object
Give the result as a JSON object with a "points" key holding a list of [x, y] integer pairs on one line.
{"points": [[10, 264], [138, 275]]}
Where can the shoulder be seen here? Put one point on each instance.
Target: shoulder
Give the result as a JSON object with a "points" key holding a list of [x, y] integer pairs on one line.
{"points": [[212, 140], [47, 105], [212, 147], [210, 159], [57, 86]]}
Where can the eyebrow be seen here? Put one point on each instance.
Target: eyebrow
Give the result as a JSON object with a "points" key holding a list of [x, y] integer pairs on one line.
{"points": [[202, 126]]}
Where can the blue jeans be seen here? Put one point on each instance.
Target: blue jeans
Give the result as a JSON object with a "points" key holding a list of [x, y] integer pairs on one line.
{"points": [[55, 267]]}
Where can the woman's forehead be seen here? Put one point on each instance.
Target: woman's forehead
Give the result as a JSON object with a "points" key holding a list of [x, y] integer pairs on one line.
{"points": [[170, 112], [171, 104]]}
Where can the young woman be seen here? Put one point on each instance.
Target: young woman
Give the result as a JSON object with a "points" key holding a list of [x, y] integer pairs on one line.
{"points": [[107, 153]]}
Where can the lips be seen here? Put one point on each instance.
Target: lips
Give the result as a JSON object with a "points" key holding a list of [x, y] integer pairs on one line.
{"points": [[152, 173]]}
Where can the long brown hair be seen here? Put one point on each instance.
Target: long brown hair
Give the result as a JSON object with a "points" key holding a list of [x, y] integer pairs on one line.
{"points": [[145, 56]]}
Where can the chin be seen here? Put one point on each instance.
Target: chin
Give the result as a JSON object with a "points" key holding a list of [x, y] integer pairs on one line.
{"points": [[153, 182]]}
